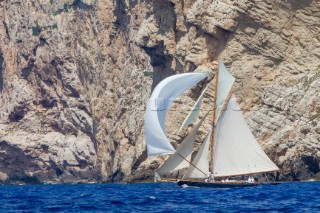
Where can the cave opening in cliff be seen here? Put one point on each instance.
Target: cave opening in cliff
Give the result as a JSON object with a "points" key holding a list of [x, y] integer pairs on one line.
{"points": [[160, 62]]}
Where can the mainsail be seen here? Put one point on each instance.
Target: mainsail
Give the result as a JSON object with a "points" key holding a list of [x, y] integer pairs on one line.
{"points": [[161, 99], [236, 151]]}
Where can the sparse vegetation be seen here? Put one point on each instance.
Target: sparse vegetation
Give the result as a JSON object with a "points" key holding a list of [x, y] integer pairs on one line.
{"points": [[66, 7], [316, 115], [309, 81], [292, 82], [148, 73], [138, 86]]}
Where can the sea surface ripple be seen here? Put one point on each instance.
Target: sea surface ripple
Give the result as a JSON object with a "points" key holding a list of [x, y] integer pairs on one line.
{"points": [[159, 197]]}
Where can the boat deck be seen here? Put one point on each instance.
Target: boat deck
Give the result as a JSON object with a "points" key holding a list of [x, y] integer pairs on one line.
{"points": [[217, 184]]}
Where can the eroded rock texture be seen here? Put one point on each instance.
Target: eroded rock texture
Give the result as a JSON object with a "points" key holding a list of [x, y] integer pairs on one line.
{"points": [[75, 76]]}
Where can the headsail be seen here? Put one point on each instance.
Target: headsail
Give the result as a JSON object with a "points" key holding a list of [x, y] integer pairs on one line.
{"points": [[161, 99], [194, 113], [175, 161], [236, 151], [201, 161], [225, 82]]}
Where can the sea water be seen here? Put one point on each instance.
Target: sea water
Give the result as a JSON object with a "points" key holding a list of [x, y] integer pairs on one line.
{"points": [[159, 197]]}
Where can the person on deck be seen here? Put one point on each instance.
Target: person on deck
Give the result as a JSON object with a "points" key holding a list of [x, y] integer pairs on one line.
{"points": [[212, 177], [250, 180]]}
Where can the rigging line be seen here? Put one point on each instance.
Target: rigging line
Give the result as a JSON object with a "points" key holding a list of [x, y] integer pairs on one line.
{"points": [[200, 122], [191, 164]]}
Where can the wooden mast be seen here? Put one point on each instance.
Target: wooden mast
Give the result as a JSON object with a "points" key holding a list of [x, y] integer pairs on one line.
{"points": [[213, 119], [214, 116]]}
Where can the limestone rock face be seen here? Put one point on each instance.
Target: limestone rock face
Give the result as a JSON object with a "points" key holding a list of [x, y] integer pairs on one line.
{"points": [[75, 77]]}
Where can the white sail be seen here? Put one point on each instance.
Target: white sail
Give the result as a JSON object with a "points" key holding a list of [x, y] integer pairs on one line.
{"points": [[236, 151], [161, 99], [201, 161], [193, 114], [175, 161], [157, 177], [225, 82]]}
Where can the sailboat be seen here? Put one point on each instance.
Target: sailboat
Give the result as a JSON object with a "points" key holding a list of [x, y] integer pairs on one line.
{"points": [[229, 149]]}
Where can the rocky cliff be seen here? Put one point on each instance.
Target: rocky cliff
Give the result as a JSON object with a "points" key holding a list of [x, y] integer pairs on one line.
{"points": [[75, 76]]}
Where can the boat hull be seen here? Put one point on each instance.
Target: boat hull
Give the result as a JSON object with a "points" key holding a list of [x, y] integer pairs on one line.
{"points": [[166, 180], [216, 184]]}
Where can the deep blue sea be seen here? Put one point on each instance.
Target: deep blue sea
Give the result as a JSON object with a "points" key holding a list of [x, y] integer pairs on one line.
{"points": [[159, 197]]}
